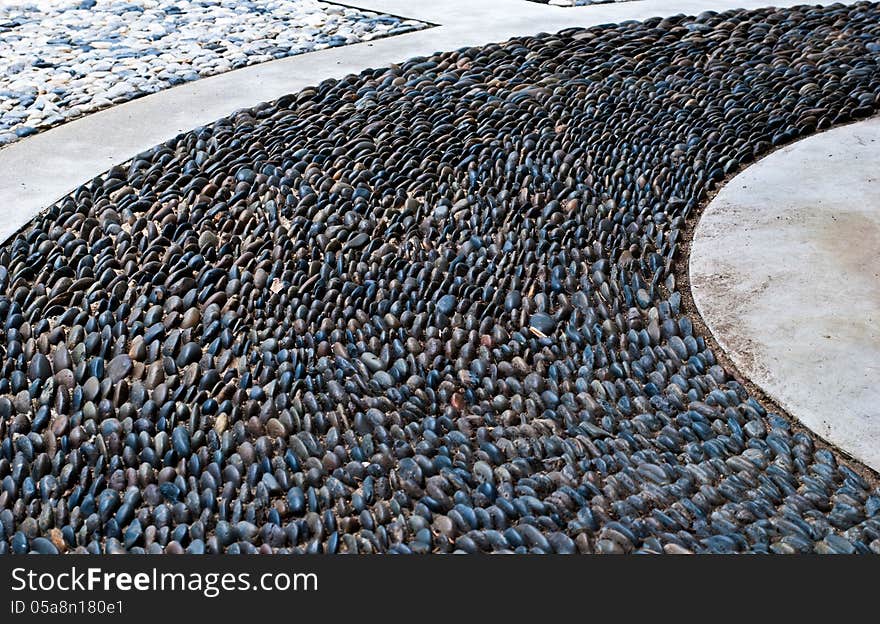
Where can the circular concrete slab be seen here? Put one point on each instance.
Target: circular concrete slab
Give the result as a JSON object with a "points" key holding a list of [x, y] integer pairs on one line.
{"points": [[785, 271]]}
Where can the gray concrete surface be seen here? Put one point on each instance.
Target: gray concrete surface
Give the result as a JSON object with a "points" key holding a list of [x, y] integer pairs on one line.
{"points": [[785, 271], [37, 171]]}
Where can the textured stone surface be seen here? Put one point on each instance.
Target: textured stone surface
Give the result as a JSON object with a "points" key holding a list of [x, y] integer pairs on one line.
{"points": [[60, 59], [337, 307]]}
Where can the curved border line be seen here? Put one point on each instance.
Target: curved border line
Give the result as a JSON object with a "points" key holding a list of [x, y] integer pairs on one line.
{"points": [[728, 357], [37, 171]]}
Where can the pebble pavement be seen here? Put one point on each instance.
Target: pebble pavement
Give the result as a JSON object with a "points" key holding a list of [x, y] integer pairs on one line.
{"points": [[63, 58], [428, 308]]}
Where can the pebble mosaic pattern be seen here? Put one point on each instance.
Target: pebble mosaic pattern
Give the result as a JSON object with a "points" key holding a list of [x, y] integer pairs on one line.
{"points": [[60, 59], [429, 308]]}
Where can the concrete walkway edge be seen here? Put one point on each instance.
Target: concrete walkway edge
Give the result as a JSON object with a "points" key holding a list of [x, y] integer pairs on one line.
{"points": [[785, 272], [37, 171]]}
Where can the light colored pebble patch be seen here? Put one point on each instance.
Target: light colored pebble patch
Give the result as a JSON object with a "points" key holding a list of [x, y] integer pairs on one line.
{"points": [[60, 59]]}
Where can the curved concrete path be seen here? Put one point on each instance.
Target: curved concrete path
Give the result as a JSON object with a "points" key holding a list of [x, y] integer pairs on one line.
{"points": [[37, 171], [785, 271]]}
